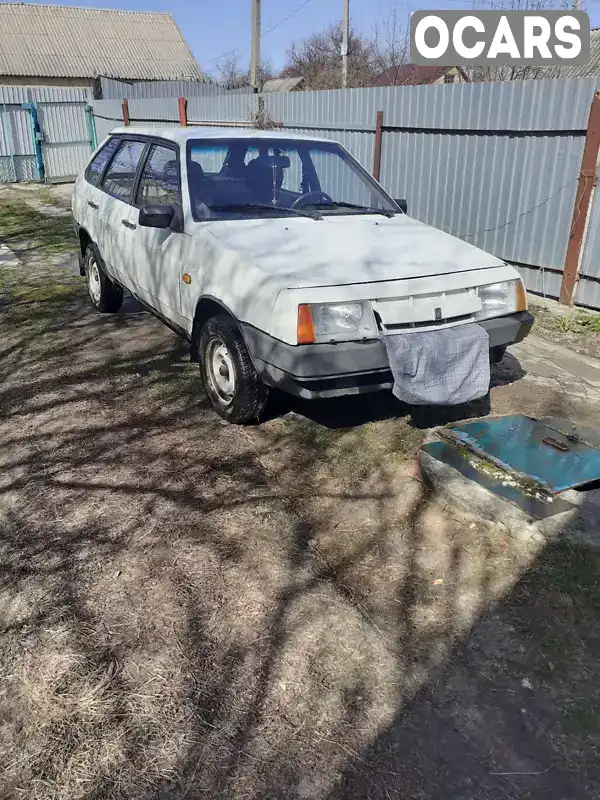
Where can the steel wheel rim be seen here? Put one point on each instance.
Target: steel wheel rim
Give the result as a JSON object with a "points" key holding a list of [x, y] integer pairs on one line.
{"points": [[220, 370], [94, 282]]}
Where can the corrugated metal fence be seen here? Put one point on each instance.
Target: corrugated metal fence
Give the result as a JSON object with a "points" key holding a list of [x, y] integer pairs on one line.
{"points": [[496, 164], [143, 90], [46, 133]]}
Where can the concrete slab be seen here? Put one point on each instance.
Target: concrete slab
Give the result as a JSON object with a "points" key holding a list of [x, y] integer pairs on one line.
{"points": [[7, 257]]}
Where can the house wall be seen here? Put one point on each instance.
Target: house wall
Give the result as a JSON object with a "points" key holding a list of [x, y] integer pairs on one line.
{"points": [[457, 75], [28, 80]]}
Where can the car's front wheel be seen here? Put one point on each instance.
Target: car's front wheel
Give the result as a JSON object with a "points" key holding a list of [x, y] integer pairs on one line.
{"points": [[105, 295], [231, 382]]}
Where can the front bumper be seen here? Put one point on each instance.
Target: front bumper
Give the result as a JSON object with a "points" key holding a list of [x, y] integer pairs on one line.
{"points": [[330, 370]]}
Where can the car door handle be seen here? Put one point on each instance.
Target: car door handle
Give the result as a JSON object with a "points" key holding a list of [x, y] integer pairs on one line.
{"points": [[93, 205], [128, 224]]}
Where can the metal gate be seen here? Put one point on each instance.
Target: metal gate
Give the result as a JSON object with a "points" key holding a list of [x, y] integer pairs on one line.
{"points": [[67, 138], [17, 153]]}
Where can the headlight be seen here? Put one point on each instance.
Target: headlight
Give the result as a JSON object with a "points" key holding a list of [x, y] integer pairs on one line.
{"points": [[326, 322], [499, 299]]}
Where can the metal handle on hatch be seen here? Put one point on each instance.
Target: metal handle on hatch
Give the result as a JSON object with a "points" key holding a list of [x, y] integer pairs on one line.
{"points": [[562, 446], [128, 224], [93, 205]]}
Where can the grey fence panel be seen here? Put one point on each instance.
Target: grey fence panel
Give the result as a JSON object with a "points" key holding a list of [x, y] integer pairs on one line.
{"points": [[108, 114], [549, 105], [44, 94], [60, 94], [65, 163], [229, 108], [588, 287], [118, 90], [154, 110], [17, 160], [510, 195], [67, 143], [588, 293], [590, 261], [544, 282]]}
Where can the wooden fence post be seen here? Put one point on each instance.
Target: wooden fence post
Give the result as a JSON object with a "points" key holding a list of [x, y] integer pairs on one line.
{"points": [[182, 104], [125, 108], [378, 142], [585, 185]]}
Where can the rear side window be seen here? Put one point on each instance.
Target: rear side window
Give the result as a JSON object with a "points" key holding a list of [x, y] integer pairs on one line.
{"points": [[94, 171], [211, 159], [120, 176], [160, 179]]}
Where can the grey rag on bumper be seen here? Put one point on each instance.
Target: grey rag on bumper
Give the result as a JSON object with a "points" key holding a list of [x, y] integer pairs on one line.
{"points": [[444, 367]]}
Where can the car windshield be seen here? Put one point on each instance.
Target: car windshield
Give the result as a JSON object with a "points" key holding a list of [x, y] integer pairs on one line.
{"points": [[264, 177]]}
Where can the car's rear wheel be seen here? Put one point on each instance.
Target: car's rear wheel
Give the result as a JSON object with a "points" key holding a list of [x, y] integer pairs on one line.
{"points": [[105, 295], [231, 382]]}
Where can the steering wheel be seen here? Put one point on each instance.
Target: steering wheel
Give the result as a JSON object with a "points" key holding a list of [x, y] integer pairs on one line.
{"points": [[318, 196]]}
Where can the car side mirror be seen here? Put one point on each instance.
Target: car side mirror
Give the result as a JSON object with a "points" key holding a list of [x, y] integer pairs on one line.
{"points": [[403, 204], [160, 216]]}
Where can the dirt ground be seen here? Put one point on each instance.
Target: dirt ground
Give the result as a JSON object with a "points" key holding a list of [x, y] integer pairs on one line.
{"points": [[190, 609]]}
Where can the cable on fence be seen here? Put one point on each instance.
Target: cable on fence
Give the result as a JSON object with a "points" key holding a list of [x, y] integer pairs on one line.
{"points": [[524, 214]]}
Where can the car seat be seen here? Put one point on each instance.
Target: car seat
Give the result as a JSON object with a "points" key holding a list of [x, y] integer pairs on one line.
{"points": [[264, 178]]}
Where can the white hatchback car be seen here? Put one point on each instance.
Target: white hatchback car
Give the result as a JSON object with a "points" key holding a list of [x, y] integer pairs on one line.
{"points": [[279, 258]]}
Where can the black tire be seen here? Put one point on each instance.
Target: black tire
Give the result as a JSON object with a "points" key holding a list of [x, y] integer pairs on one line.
{"points": [[249, 395], [104, 295], [497, 354]]}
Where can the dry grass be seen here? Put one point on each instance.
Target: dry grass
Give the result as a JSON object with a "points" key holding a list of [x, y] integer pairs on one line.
{"points": [[578, 328], [190, 609]]}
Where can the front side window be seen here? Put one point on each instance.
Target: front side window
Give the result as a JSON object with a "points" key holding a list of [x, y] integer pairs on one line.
{"points": [[159, 183], [93, 173], [120, 176], [259, 177]]}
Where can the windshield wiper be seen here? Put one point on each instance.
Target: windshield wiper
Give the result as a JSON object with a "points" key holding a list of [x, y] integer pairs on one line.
{"points": [[386, 213], [265, 207]]}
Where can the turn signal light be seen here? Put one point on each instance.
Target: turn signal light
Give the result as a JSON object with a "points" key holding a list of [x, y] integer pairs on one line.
{"points": [[306, 326], [521, 296]]}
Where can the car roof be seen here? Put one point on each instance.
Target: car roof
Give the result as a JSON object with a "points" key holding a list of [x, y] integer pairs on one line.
{"points": [[180, 134]]}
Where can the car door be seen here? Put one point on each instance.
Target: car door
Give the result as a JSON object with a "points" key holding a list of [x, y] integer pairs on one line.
{"points": [[88, 197], [156, 268], [117, 239]]}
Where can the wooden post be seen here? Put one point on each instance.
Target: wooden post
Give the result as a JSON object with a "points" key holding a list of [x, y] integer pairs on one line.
{"points": [[378, 142], [182, 104], [125, 108], [587, 181]]}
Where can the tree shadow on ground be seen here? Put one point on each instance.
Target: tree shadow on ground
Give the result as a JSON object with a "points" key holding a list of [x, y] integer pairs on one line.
{"points": [[515, 712], [192, 609]]}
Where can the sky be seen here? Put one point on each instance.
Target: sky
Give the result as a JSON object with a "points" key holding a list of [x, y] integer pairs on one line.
{"points": [[214, 28]]}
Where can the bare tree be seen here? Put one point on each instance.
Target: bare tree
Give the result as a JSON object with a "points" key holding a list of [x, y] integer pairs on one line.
{"points": [[517, 73], [318, 60], [390, 43], [232, 75]]}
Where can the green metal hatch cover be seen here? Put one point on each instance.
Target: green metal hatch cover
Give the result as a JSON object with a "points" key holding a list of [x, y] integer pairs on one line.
{"points": [[527, 461]]}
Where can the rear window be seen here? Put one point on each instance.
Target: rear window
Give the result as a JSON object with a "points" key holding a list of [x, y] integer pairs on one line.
{"points": [[93, 173]]}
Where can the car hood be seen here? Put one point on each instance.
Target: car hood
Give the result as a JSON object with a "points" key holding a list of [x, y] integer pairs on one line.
{"points": [[348, 249]]}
